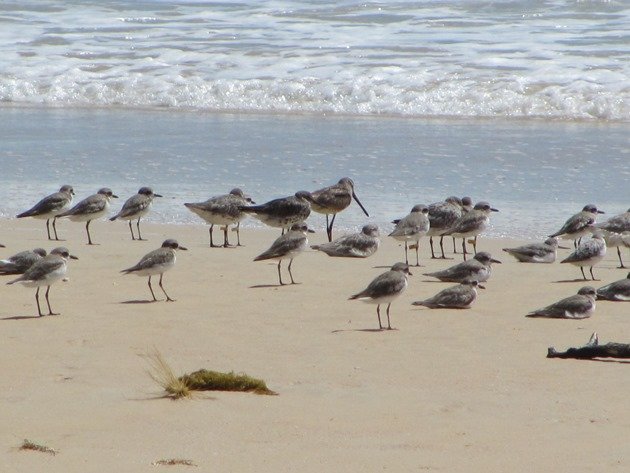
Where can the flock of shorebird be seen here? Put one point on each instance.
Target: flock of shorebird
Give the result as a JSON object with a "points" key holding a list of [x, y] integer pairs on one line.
{"points": [[453, 217]]}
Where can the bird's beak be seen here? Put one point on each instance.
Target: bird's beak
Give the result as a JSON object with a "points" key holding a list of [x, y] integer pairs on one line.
{"points": [[73, 257], [564, 247], [114, 196], [180, 247], [158, 195], [480, 286], [496, 261], [310, 230], [494, 210], [409, 273], [249, 199], [601, 212], [354, 196]]}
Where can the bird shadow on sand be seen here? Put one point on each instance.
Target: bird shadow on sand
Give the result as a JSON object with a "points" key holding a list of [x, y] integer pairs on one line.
{"points": [[367, 330], [261, 286], [582, 280], [22, 317], [138, 301]]}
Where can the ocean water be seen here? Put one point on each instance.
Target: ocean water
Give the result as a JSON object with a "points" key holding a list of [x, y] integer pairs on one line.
{"points": [[525, 104]]}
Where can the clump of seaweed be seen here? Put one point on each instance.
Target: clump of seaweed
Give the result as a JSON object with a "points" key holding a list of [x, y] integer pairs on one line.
{"points": [[207, 380], [201, 380], [163, 375], [174, 461], [28, 445]]}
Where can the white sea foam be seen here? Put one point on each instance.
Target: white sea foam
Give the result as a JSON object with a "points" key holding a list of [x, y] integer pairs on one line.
{"points": [[567, 60]]}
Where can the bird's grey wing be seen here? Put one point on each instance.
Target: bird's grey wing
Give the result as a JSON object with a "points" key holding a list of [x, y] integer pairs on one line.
{"points": [[531, 251], [330, 197], [575, 224], [147, 261], [442, 216], [618, 290], [386, 283], [42, 267], [459, 272], [572, 304], [50, 203], [585, 250], [467, 223], [19, 262], [408, 226], [133, 205], [282, 246], [90, 205], [454, 297]]}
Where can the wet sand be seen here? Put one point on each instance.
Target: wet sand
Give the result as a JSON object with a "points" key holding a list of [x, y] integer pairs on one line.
{"points": [[448, 390]]}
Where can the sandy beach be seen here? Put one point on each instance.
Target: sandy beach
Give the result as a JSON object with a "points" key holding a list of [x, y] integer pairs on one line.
{"points": [[448, 390]]}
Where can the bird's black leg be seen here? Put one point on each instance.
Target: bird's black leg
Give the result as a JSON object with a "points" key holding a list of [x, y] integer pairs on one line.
{"points": [[48, 229], [592, 276], [50, 312], [39, 311], [133, 237], [168, 299], [464, 247], [151, 289], [621, 266], [279, 273], [54, 225], [87, 229], [138, 225], [431, 244], [238, 234], [378, 314], [583, 275], [389, 325], [290, 263]]}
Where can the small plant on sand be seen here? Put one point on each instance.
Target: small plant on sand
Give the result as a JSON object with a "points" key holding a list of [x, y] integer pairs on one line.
{"points": [[201, 380], [28, 445], [174, 461], [163, 375]]}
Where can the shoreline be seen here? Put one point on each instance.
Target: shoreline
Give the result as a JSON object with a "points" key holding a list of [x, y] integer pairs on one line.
{"points": [[448, 390]]}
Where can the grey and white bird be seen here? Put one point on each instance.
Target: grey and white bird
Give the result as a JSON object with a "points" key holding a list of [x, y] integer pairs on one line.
{"points": [[50, 207], [460, 296], [545, 252], [579, 306], [615, 291], [356, 245], [412, 228], [384, 289], [288, 246], [136, 207], [157, 262], [283, 212], [588, 253], [442, 215], [333, 199], [45, 272], [90, 208], [479, 269], [578, 225], [617, 232], [471, 224], [223, 210], [21, 262]]}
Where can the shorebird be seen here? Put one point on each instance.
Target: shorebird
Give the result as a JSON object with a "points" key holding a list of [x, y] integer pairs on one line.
{"points": [[460, 296], [615, 291], [479, 269], [545, 252], [45, 272], [20, 262], [617, 232], [384, 289], [157, 262], [579, 306], [411, 228], [223, 210], [90, 208], [471, 224], [136, 207], [357, 245], [50, 207], [288, 246], [443, 215], [578, 225], [283, 212], [588, 253], [333, 199]]}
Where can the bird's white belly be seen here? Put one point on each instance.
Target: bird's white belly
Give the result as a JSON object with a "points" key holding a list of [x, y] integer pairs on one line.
{"points": [[156, 269]]}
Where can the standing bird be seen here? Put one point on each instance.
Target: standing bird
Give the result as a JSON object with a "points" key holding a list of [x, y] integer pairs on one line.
{"points": [[157, 262], [21, 262], [283, 212], [45, 272], [615, 291], [288, 246], [333, 199], [461, 296], [90, 208], [136, 207], [578, 225], [588, 253], [357, 245], [479, 269], [50, 207], [471, 224], [579, 306], [545, 252], [443, 215], [411, 228], [223, 210], [617, 231], [384, 289]]}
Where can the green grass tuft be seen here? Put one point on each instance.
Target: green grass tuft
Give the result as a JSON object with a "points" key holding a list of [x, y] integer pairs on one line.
{"points": [[206, 380]]}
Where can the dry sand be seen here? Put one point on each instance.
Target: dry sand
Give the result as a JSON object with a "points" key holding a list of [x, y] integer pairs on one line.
{"points": [[452, 391]]}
